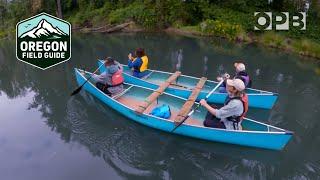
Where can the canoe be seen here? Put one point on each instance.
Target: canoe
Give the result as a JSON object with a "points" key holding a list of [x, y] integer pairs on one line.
{"points": [[254, 133], [183, 88]]}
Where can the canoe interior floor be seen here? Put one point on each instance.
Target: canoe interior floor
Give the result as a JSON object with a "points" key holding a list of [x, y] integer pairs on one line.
{"points": [[158, 82], [133, 103], [181, 86]]}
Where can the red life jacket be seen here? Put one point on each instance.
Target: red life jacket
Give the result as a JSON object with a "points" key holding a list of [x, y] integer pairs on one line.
{"points": [[245, 103], [117, 78]]}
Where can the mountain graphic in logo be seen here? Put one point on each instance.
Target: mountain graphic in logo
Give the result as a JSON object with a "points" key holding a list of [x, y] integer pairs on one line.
{"points": [[43, 41], [44, 30]]}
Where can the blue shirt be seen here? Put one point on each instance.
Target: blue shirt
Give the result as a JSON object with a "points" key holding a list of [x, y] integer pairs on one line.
{"points": [[136, 64]]}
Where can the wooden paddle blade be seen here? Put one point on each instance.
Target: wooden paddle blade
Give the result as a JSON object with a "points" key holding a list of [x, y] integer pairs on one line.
{"points": [[76, 91]]}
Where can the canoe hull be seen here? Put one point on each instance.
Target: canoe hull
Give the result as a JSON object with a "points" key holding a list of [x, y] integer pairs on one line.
{"points": [[258, 139], [256, 100]]}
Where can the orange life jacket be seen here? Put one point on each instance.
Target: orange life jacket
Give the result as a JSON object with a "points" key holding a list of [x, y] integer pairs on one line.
{"points": [[117, 78]]}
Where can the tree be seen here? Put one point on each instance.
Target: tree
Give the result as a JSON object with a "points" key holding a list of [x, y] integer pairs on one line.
{"points": [[59, 9]]}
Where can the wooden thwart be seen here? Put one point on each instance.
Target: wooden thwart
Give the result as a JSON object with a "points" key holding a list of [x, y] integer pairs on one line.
{"points": [[149, 100], [186, 108]]}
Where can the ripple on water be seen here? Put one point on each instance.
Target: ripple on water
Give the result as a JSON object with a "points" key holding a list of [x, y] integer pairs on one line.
{"points": [[119, 147], [75, 117], [128, 155]]}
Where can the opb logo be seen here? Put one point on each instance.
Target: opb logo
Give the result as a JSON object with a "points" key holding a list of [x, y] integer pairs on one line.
{"points": [[264, 21]]}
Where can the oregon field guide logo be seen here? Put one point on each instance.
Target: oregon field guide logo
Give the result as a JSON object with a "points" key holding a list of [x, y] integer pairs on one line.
{"points": [[43, 41]]}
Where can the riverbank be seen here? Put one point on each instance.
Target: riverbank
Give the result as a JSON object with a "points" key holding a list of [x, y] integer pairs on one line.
{"points": [[232, 20], [303, 47]]}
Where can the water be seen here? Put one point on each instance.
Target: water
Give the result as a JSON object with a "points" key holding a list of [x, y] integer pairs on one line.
{"points": [[46, 134]]}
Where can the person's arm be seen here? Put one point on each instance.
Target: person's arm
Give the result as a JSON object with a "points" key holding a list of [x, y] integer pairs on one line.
{"points": [[130, 63], [208, 107], [130, 60], [99, 78], [233, 108], [137, 63]]}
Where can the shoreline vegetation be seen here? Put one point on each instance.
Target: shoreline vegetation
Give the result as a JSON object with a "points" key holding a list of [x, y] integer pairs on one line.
{"points": [[232, 19]]}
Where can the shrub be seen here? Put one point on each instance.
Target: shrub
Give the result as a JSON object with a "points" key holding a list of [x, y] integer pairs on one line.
{"points": [[222, 29], [137, 12], [214, 12]]}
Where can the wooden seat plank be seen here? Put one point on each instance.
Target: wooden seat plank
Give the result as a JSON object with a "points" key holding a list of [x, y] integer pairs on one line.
{"points": [[151, 98], [186, 108]]}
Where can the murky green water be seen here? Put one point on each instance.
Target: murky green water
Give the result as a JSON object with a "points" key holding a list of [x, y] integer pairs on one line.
{"points": [[46, 134]]}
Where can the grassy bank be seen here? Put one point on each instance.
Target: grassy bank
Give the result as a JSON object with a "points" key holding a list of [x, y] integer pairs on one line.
{"points": [[230, 19], [302, 46]]}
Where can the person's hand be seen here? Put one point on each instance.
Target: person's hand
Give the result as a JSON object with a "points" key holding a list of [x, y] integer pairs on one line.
{"points": [[203, 102], [130, 56], [84, 73], [226, 76]]}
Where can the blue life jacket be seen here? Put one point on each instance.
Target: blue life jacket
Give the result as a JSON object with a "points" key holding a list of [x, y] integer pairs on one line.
{"points": [[162, 111]]}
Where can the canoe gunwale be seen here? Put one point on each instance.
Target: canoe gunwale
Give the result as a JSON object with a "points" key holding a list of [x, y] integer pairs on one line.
{"points": [[280, 132], [133, 85], [263, 92]]}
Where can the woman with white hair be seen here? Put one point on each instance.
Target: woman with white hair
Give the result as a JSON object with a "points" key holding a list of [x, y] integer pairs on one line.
{"points": [[233, 111], [240, 74]]}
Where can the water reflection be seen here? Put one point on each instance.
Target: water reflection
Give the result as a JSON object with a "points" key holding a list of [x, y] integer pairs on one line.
{"points": [[205, 66], [134, 151]]}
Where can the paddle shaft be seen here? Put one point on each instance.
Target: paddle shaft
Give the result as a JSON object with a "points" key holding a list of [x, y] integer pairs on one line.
{"points": [[93, 73], [80, 87], [191, 112]]}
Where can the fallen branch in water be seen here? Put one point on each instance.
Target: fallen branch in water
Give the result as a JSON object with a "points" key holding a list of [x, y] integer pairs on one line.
{"points": [[104, 29], [117, 27]]}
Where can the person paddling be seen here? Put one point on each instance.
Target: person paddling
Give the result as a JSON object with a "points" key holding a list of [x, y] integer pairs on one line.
{"points": [[240, 74], [110, 81], [233, 111], [138, 63]]}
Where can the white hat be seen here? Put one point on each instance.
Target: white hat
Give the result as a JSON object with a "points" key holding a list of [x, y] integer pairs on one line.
{"points": [[240, 67], [236, 83]]}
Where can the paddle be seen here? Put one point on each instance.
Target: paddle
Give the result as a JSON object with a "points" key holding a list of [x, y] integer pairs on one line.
{"points": [[191, 112], [79, 88]]}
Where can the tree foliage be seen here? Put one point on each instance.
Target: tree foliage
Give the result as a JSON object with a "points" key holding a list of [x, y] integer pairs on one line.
{"points": [[158, 14]]}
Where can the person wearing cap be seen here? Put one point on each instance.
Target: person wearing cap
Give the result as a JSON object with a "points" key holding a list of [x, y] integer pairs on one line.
{"points": [[111, 80], [138, 63], [240, 74], [235, 108]]}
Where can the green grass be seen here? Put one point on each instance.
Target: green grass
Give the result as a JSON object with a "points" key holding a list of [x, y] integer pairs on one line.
{"points": [[273, 39], [307, 47]]}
